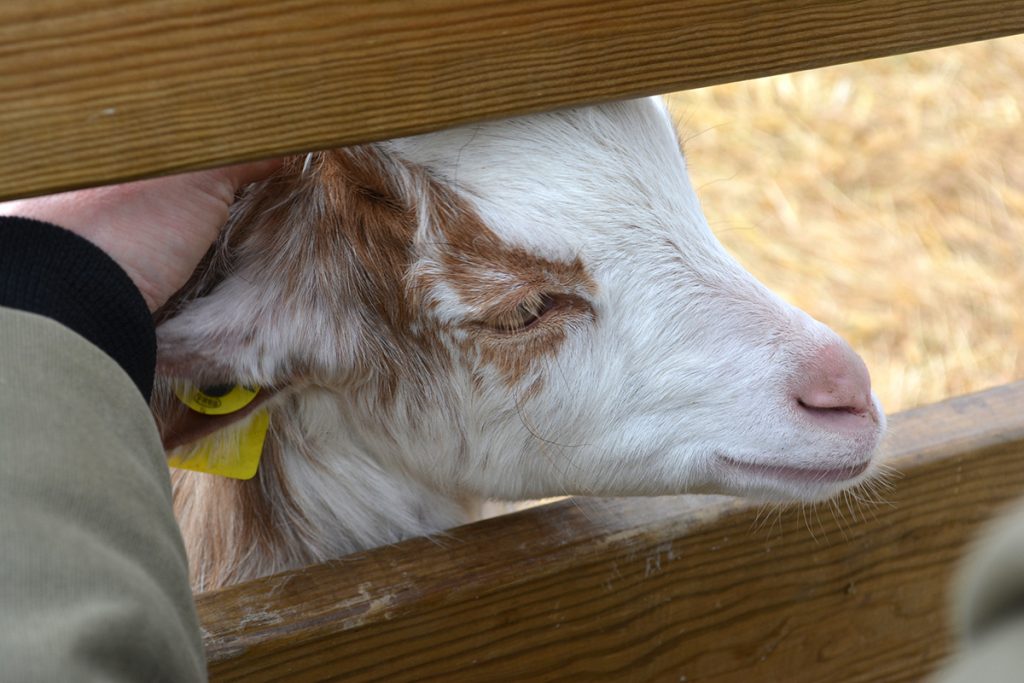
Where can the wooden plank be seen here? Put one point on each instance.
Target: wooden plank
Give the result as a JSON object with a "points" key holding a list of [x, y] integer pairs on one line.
{"points": [[666, 589], [97, 91]]}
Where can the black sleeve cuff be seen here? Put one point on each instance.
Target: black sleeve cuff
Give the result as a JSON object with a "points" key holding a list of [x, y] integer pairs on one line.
{"points": [[54, 272]]}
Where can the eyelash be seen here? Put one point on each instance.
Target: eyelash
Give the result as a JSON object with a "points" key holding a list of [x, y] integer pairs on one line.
{"points": [[525, 316], [532, 313]]}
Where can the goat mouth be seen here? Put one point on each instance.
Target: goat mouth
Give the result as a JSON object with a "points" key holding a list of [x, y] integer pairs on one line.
{"points": [[808, 475]]}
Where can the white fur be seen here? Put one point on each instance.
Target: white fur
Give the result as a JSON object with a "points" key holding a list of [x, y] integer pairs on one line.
{"points": [[687, 357]]}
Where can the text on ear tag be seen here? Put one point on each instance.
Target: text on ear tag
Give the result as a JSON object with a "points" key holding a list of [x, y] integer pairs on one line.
{"points": [[215, 400]]}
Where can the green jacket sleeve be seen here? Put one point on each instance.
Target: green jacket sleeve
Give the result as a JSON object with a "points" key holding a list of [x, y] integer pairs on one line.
{"points": [[93, 575]]}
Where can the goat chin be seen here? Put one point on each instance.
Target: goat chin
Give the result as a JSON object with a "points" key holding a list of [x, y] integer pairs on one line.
{"points": [[516, 309]]}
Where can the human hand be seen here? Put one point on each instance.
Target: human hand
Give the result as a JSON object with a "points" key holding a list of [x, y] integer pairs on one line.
{"points": [[157, 230]]}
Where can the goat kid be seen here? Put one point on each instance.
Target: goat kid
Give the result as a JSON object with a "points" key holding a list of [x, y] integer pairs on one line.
{"points": [[510, 310]]}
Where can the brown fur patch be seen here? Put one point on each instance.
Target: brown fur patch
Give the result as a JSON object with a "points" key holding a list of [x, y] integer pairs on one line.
{"points": [[341, 236], [479, 266]]}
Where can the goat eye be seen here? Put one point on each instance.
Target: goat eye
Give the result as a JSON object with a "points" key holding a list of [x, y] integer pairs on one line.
{"points": [[523, 316], [531, 312]]}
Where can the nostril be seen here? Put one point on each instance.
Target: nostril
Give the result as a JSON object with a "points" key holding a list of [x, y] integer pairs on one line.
{"points": [[834, 385], [852, 410], [852, 419]]}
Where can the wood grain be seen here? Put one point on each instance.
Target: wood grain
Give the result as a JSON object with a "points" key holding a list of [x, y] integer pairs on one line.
{"points": [[667, 589], [97, 91]]}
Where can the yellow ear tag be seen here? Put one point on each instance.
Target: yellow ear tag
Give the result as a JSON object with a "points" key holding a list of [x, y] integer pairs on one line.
{"points": [[222, 399], [233, 452]]}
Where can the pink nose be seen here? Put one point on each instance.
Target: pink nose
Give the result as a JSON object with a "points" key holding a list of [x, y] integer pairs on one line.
{"points": [[834, 387]]}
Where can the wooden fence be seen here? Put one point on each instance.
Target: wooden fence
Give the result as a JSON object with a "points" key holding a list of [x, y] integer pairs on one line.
{"points": [[674, 589], [104, 90], [662, 589]]}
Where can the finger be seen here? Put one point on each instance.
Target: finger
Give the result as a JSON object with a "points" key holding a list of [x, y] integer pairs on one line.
{"points": [[243, 174]]}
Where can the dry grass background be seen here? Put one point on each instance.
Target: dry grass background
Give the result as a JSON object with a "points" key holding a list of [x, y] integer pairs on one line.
{"points": [[885, 198]]}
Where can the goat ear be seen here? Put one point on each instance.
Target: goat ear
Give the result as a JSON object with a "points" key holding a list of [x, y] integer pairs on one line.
{"points": [[310, 259], [262, 309]]}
